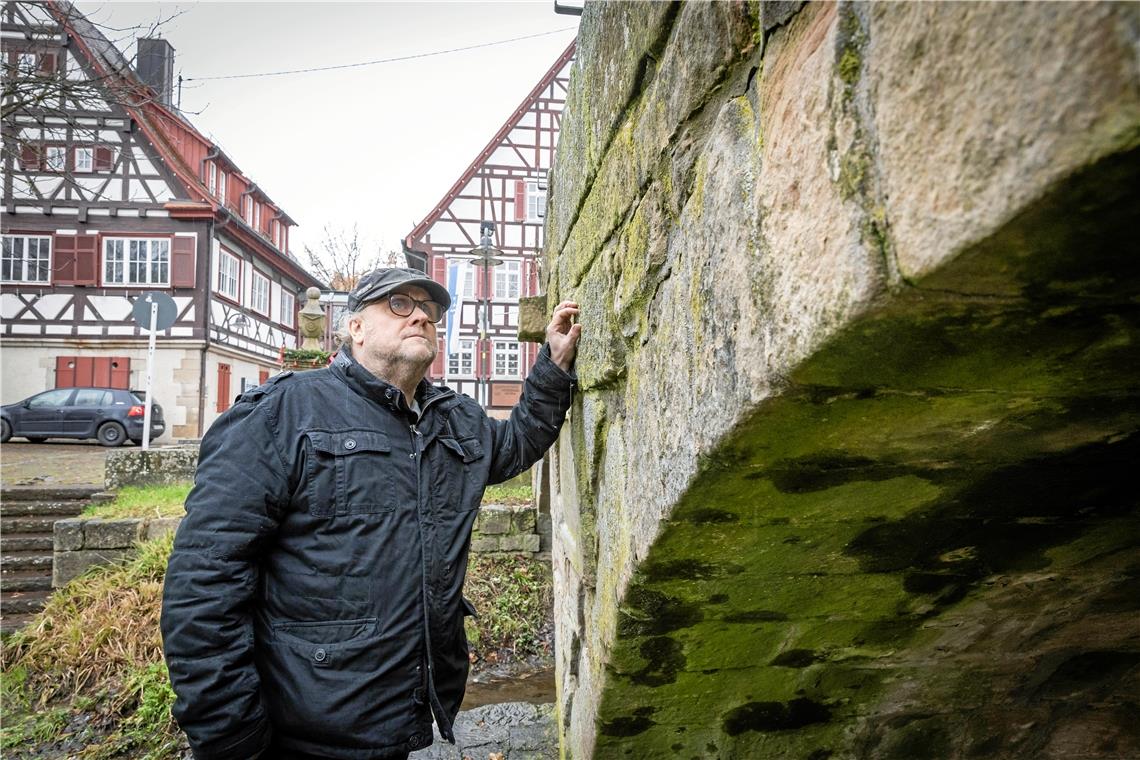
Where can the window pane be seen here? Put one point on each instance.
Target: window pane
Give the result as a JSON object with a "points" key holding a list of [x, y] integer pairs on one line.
{"points": [[159, 261]]}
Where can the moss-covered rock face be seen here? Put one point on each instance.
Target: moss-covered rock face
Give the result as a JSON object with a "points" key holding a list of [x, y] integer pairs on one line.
{"points": [[848, 474]]}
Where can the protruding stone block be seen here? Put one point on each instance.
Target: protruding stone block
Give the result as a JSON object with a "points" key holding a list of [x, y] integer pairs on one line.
{"points": [[528, 542], [68, 535], [111, 534], [524, 520], [494, 520], [484, 544], [533, 318], [68, 565]]}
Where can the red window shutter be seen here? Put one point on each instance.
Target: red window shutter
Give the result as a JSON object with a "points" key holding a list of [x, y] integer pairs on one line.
{"points": [[439, 270], [65, 372], [84, 371], [262, 376], [223, 387], [86, 260], [104, 158], [120, 372], [31, 157], [63, 248], [47, 63], [182, 262], [520, 201], [101, 371]]}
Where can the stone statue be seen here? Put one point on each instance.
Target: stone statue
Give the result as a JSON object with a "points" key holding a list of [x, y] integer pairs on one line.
{"points": [[312, 321]]}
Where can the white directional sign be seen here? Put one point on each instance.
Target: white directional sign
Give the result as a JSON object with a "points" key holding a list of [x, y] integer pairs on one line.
{"points": [[153, 311]]}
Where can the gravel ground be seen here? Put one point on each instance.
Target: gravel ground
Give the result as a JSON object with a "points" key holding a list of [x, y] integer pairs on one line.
{"points": [[55, 463]]}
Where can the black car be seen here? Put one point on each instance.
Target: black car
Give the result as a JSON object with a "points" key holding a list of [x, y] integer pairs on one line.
{"points": [[110, 415]]}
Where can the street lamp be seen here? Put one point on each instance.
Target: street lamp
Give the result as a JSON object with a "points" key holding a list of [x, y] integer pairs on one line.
{"points": [[486, 256], [236, 321]]}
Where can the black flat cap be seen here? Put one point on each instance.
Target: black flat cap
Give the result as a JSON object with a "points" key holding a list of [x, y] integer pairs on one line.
{"points": [[380, 282]]}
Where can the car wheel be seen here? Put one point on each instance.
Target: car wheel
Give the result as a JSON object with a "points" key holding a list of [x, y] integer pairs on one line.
{"points": [[111, 434], [35, 438], [5, 431]]}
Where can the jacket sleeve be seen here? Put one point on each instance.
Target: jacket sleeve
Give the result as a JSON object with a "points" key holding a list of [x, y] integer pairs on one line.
{"points": [[212, 577], [520, 441]]}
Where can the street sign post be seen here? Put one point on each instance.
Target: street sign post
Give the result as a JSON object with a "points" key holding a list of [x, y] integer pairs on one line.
{"points": [[153, 311]]}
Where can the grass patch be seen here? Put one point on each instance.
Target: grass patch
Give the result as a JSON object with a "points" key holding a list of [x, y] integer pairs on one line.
{"points": [[511, 493], [86, 677], [143, 501], [514, 596]]}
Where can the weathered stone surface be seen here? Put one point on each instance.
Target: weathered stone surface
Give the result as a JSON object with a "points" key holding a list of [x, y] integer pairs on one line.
{"points": [[68, 535], [68, 565], [135, 467], [836, 303], [483, 544], [515, 730], [523, 520], [111, 534], [533, 318], [519, 543], [494, 519], [160, 526]]}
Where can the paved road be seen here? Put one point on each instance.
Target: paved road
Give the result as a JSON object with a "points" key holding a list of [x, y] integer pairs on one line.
{"points": [[55, 463]]}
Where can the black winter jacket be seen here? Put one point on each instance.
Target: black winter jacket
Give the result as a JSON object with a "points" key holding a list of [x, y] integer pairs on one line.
{"points": [[314, 595]]}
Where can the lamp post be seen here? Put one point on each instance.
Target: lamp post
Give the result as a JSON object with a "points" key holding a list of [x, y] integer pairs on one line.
{"points": [[486, 256]]}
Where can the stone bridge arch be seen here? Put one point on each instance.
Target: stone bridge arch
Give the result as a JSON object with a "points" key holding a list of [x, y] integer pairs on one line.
{"points": [[850, 474]]}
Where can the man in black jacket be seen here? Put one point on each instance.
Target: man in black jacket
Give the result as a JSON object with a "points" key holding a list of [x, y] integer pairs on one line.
{"points": [[313, 604]]}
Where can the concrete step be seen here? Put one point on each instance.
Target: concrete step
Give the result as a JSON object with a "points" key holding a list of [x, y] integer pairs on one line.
{"points": [[25, 560], [22, 525], [24, 580], [46, 508], [9, 624], [22, 602], [26, 541]]}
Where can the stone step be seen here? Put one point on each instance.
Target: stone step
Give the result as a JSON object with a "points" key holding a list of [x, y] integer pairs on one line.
{"points": [[25, 560], [60, 493], [69, 508], [24, 580], [9, 624], [22, 525], [26, 541], [21, 602]]}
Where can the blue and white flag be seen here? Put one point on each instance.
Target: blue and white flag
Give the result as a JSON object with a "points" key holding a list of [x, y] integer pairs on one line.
{"points": [[455, 273]]}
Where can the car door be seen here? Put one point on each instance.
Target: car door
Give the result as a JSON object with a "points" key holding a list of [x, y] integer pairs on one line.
{"points": [[81, 413], [43, 414]]}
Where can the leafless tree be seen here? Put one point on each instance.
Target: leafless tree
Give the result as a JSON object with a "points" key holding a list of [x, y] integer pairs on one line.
{"points": [[341, 258]]}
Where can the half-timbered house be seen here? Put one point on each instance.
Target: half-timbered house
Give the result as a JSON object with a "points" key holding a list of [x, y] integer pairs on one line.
{"points": [[110, 192], [506, 186]]}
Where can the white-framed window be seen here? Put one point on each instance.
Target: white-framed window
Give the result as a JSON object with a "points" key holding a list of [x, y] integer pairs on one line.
{"points": [[26, 259], [257, 216], [26, 62], [84, 159], [535, 202], [222, 185], [259, 294], [229, 267], [212, 177], [136, 261], [247, 209], [467, 288], [288, 307], [55, 158], [508, 279], [505, 359], [462, 362]]}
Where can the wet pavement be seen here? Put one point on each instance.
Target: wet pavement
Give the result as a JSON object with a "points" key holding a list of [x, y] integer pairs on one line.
{"points": [[54, 463]]}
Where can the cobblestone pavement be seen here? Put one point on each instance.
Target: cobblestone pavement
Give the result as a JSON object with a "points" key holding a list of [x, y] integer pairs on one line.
{"points": [[56, 463], [507, 731]]}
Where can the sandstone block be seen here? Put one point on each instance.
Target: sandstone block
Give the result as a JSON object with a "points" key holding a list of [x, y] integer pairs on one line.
{"points": [[160, 526], [68, 565], [524, 520], [68, 535], [111, 534], [494, 519], [485, 544], [519, 543], [533, 318]]}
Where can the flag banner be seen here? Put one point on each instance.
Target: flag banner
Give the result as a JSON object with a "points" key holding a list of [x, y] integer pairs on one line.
{"points": [[454, 278]]}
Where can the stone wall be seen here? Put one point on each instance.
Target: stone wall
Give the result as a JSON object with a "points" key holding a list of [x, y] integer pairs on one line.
{"points": [[82, 543], [506, 529], [844, 268], [165, 466]]}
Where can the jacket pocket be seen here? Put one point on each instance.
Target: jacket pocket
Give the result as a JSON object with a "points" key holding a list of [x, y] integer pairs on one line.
{"points": [[349, 472], [462, 488]]}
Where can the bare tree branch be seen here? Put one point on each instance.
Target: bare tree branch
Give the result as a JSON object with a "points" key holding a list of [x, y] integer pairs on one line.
{"points": [[341, 259]]}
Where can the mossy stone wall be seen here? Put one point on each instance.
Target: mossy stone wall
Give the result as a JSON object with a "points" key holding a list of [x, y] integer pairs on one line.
{"points": [[858, 377]]}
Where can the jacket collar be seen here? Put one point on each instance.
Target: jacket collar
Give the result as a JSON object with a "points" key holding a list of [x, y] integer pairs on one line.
{"points": [[364, 383]]}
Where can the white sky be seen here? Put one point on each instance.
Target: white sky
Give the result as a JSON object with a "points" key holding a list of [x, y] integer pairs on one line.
{"points": [[375, 146]]}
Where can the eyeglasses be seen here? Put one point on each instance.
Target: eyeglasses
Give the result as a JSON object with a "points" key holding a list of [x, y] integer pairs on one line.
{"points": [[402, 305]]}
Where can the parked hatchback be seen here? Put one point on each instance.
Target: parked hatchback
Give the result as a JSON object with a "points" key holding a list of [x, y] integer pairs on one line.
{"points": [[110, 415]]}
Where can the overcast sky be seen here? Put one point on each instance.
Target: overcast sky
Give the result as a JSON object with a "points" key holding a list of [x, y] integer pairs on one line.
{"points": [[377, 145]]}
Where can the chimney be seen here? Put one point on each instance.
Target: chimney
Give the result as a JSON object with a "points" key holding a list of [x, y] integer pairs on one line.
{"points": [[155, 66]]}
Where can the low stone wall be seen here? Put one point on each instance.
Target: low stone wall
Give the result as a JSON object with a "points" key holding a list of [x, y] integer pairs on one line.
{"points": [[80, 543], [505, 529], [135, 467]]}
